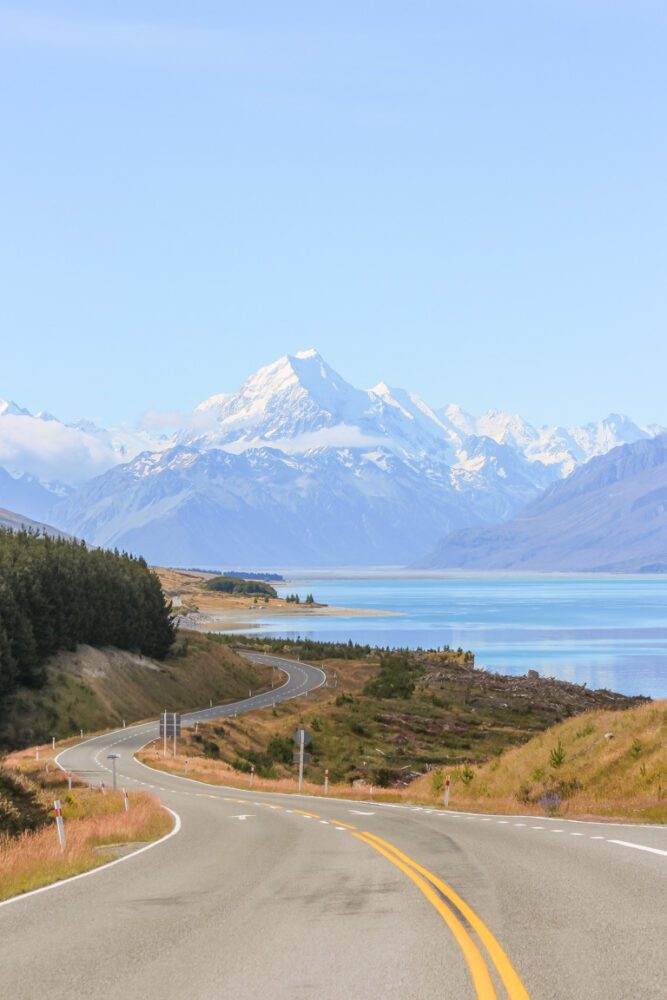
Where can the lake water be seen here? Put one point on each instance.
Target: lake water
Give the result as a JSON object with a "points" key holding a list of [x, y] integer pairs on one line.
{"points": [[606, 631]]}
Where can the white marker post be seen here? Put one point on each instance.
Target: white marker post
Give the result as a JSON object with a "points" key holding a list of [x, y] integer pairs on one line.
{"points": [[326, 781], [165, 732], [252, 775], [53, 742], [302, 743], [174, 717], [81, 733], [448, 781], [69, 780], [60, 825]]}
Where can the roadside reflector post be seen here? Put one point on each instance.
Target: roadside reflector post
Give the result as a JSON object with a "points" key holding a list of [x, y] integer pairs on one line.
{"points": [[326, 781], [165, 733], [69, 780], [302, 743], [53, 742], [250, 694], [126, 800], [123, 723], [252, 775], [113, 757], [81, 733], [196, 727], [174, 714], [60, 825], [448, 781], [210, 703]]}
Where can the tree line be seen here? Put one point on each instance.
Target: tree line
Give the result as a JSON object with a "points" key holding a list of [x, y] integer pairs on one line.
{"points": [[55, 593]]}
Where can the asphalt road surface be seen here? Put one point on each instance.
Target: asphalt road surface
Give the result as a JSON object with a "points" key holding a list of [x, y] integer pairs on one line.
{"points": [[264, 896]]}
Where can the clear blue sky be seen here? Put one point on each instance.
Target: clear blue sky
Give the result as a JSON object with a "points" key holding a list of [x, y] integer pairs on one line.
{"points": [[467, 199]]}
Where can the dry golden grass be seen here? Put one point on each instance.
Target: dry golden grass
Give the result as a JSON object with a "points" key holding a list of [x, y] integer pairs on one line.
{"points": [[622, 775], [92, 820], [217, 772]]}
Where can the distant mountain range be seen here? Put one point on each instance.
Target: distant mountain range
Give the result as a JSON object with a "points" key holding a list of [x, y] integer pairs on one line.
{"points": [[297, 467], [19, 522], [609, 515]]}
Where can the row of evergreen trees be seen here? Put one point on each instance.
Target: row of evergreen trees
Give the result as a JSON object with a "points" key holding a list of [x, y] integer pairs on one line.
{"points": [[55, 593]]}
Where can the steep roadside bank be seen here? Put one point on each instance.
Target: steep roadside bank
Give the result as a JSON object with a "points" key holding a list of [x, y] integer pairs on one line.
{"points": [[92, 689]]}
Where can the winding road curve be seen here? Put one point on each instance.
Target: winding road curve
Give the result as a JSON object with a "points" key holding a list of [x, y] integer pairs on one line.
{"points": [[264, 896]]}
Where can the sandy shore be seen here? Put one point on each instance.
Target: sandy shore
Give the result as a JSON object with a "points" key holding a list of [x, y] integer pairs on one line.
{"points": [[206, 610], [242, 619]]}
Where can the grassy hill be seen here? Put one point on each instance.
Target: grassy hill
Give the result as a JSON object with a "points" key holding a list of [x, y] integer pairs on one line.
{"points": [[392, 716], [93, 689], [600, 763]]}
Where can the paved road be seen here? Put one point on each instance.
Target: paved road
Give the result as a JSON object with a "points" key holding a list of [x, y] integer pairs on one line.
{"points": [[264, 896]]}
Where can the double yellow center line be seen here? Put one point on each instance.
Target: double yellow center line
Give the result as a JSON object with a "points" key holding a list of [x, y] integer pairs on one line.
{"points": [[452, 908]]}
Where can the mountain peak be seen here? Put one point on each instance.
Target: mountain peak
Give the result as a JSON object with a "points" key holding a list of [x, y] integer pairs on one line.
{"points": [[8, 408], [309, 353]]}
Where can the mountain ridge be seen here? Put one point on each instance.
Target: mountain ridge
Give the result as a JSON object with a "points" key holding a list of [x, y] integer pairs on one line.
{"points": [[609, 515], [297, 461]]}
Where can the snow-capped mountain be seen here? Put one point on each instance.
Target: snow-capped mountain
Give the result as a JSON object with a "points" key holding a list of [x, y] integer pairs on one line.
{"points": [[264, 506], [60, 454], [297, 466], [609, 515], [562, 447]]}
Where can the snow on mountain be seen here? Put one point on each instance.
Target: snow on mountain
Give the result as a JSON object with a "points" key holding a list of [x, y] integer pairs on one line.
{"points": [[295, 395], [609, 515], [263, 506], [9, 408], [28, 495], [297, 466], [54, 452], [561, 447]]}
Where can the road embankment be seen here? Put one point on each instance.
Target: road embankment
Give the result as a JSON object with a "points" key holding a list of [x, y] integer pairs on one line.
{"points": [[98, 824]]}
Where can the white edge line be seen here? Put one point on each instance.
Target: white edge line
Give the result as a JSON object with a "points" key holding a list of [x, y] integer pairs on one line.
{"points": [[638, 847], [177, 819], [109, 864]]}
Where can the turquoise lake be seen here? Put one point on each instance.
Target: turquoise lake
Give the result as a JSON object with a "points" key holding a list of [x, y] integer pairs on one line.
{"points": [[605, 631]]}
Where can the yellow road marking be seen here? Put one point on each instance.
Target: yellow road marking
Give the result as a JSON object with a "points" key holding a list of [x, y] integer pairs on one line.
{"points": [[302, 812], [339, 822], [480, 974], [515, 988]]}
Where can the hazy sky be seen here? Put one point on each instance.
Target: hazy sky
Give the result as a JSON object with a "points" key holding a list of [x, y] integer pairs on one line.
{"points": [[467, 199]]}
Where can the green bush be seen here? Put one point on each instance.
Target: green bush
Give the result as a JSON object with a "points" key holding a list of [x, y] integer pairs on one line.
{"points": [[235, 585], [396, 677]]}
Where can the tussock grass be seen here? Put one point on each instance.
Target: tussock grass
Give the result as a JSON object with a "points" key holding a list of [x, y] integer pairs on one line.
{"points": [[599, 764], [621, 776], [219, 773], [92, 820]]}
